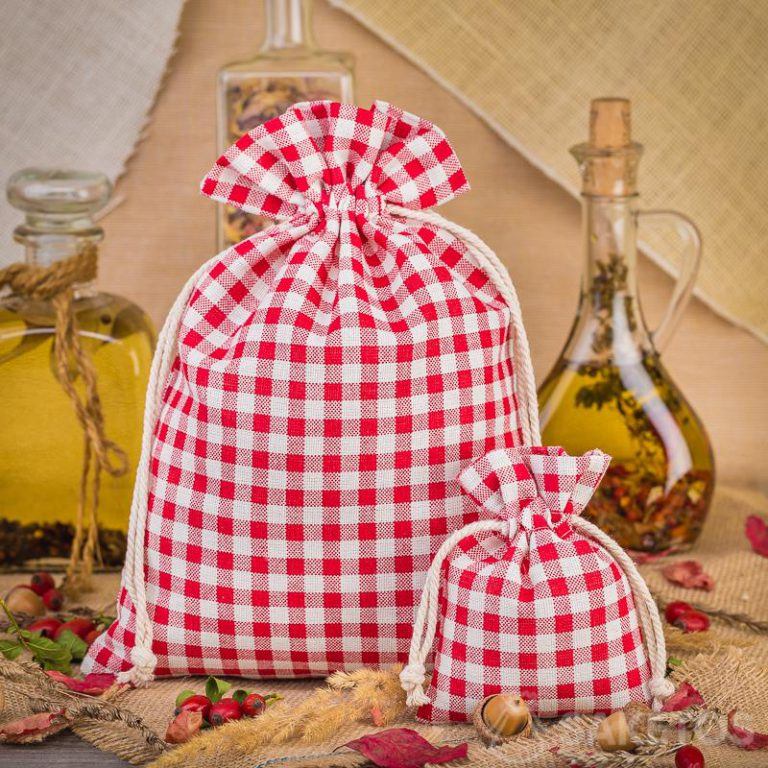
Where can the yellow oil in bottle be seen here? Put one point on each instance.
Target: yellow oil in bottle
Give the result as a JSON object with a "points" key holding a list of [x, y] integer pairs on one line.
{"points": [[658, 488], [42, 443]]}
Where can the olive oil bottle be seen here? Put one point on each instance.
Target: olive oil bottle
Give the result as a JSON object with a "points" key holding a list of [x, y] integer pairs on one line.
{"points": [[609, 387], [41, 441]]}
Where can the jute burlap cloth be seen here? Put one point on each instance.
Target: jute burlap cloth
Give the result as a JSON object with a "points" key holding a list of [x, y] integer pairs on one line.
{"points": [[728, 664], [696, 70]]}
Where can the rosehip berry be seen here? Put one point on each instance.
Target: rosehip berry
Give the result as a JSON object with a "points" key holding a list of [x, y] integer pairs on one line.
{"points": [[253, 705], [46, 627], [692, 621], [41, 582], [80, 626], [196, 703], [675, 609], [689, 757], [53, 600], [225, 710]]}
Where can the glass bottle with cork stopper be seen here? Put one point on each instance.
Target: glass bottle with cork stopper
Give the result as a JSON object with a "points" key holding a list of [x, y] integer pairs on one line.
{"points": [[609, 387], [289, 68], [74, 365]]}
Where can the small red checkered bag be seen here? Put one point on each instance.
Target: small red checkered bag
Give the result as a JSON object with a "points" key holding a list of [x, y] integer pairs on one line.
{"points": [[315, 392], [534, 600]]}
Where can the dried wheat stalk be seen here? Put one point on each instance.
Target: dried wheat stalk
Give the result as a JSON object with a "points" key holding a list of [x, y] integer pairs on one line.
{"points": [[375, 696], [647, 754]]}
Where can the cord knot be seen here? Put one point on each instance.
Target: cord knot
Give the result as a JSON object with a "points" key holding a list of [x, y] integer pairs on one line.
{"points": [[412, 680], [143, 669], [660, 689]]}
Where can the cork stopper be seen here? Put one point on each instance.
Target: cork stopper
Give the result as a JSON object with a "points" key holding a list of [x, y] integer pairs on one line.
{"points": [[610, 123], [609, 159]]}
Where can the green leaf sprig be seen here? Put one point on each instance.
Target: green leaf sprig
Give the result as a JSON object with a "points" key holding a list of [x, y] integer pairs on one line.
{"points": [[215, 688], [49, 654]]}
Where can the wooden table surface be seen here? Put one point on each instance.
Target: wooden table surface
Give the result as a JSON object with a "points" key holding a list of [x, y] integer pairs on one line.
{"points": [[64, 750]]}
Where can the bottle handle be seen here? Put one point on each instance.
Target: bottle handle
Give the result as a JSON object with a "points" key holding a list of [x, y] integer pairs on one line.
{"points": [[690, 235]]}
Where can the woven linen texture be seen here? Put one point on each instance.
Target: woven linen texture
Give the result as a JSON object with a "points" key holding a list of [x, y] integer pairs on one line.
{"points": [[334, 374], [545, 612], [529, 69]]}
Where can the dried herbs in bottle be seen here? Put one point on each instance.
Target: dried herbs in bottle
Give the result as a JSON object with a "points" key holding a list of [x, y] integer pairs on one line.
{"points": [[609, 387]]}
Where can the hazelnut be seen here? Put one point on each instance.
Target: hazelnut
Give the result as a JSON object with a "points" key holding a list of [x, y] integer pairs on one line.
{"points": [[637, 715], [22, 599], [613, 733], [502, 717]]}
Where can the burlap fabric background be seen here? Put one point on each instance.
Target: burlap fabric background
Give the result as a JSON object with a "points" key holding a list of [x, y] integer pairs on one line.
{"points": [[696, 70], [728, 664]]}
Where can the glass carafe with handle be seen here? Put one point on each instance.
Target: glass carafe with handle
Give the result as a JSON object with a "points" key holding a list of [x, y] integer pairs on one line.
{"points": [[609, 387]]}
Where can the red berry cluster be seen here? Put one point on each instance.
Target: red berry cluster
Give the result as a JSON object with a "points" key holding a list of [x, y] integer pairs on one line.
{"points": [[217, 712], [51, 627], [42, 584], [34, 598], [41, 594]]}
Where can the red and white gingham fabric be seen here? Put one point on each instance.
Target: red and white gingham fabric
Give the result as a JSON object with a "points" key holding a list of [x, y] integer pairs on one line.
{"points": [[543, 611], [333, 375]]}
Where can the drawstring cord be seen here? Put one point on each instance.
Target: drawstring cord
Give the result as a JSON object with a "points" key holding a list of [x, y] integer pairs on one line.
{"points": [[413, 674]]}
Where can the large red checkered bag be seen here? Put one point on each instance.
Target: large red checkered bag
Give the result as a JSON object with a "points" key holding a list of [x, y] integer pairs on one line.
{"points": [[532, 599], [315, 392]]}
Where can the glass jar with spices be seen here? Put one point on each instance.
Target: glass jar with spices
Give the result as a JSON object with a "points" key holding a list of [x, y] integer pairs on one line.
{"points": [[608, 387], [74, 365], [288, 69]]}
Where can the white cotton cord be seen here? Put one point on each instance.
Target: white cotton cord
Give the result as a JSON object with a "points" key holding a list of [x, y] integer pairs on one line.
{"points": [[142, 659], [653, 632], [521, 352], [414, 674]]}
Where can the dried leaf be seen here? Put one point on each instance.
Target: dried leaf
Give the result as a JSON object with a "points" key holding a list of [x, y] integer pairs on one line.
{"points": [[404, 748], [689, 574], [94, 684], [685, 696], [32, 728], [757, 532], [184, 726], [743, 738]]}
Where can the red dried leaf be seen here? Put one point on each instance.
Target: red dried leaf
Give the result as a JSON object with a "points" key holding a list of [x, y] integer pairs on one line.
{"points": [[94, 684], [690, 574], [757, 532], [404, 748], [32, 728], [743, 738], [685, 696], [184, 726]]}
